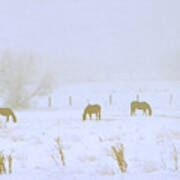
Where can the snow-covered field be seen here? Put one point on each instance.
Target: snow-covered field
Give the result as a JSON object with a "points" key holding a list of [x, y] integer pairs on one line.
{"points": [[150, 143]]}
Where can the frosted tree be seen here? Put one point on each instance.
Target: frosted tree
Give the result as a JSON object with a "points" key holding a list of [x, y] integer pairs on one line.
{"points": [[21, 78]]}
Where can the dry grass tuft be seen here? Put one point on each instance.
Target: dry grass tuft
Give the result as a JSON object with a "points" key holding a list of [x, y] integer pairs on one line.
{"points": [[119, 154], [60, 151]]}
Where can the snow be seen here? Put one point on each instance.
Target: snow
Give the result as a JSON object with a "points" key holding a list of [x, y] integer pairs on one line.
{"points": [[148, 141]]}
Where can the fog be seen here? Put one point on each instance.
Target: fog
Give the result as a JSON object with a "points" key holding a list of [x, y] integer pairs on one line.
{"points": [[89, 89], [96, 40]]}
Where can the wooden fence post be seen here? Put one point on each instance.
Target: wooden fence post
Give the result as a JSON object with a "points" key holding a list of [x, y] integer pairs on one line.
{"points": [[137, 97], [49, 101], [170, 99], [70, 100], [110, 100]]}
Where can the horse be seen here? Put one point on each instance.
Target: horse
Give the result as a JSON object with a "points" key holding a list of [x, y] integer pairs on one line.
{"points": [[144, 106], [8, 112], [92, 109]]}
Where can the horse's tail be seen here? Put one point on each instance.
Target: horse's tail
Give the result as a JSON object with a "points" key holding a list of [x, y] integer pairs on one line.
{"points": [[13, 116], [150, 111]]}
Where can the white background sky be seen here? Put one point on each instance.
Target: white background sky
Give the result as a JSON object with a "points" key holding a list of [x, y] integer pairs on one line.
{"points": [[97, 37]]}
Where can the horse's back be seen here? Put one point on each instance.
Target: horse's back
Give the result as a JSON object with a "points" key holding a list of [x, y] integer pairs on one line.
{"points": [[134, 103], [95, 107], [145, 104], [137, 103], [5, 109], [140, 105]]}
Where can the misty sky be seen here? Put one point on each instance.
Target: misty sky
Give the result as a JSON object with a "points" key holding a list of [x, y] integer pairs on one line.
{"points": [[91, 39]]}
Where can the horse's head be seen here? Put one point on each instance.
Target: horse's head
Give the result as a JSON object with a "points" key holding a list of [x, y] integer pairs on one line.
{"points": [[84, 116]]}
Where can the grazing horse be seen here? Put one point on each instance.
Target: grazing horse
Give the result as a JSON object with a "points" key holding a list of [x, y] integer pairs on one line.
{"points": [[144, 106], [92, 109], [8, 112]]}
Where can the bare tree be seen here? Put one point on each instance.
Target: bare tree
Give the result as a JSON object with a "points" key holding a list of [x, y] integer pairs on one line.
{"points": [[21, 78]]}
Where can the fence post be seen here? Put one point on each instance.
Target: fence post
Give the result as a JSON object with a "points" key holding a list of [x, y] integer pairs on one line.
{"points": [[49, 101], [170, 99], [70, 100], [137, 97], [110, 100]]}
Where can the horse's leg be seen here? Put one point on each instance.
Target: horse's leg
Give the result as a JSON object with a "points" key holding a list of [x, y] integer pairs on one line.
{"points": [[90, 116], [145, 112], [7, 118], [96, 116], [132, 111]]}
